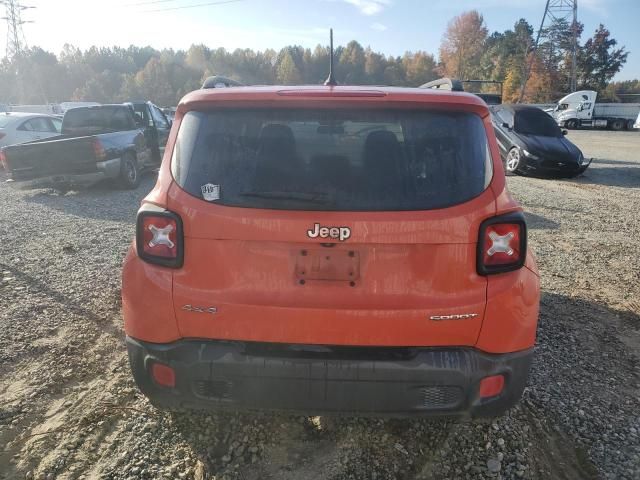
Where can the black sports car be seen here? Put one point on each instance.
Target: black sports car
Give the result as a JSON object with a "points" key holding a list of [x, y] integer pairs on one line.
{"points": [[531, 143]]}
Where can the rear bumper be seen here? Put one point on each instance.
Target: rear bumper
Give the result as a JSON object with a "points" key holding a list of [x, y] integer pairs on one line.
{"points": [[319, 379]]}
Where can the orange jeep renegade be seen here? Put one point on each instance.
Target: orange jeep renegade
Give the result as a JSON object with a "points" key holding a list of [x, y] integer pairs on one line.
{"points": [[331, 249]]}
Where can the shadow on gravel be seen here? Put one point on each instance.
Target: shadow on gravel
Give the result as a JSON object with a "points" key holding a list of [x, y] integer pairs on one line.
{"points": [[539, 222], [67, 303], [288, 447], [626, 177], [598, 161], [585, 382], [103, 201]]}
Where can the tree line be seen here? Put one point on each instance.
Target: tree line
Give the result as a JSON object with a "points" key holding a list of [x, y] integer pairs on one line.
{"points": [[467, 51]]}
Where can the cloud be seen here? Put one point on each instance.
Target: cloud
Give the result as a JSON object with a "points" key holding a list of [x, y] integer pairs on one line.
{"points": [[369, 7], [378, 27]]}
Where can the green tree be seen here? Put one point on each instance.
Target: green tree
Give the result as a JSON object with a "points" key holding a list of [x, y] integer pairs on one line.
{"points": [[287, 72], [599, 60]]}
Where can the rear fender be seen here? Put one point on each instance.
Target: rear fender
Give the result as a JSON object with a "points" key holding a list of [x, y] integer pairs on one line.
{"points": [[511, 315], [147, 304]]}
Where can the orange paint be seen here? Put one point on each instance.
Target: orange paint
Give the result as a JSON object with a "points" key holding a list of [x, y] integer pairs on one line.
{"points": [[411, 265]]}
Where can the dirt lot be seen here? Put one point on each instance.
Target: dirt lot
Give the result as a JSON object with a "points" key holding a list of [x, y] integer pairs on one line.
{"points": [[69, 410]]}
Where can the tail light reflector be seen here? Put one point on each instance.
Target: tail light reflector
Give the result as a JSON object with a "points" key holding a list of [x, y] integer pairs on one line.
{"points": [[3, 160], [502, 244], [163, 375], [491, 386], [159, 238]]}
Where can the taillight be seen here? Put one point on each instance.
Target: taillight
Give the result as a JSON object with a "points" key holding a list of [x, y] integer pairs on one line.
{"points": [[159, 238], [98, 149], [3, 160], [502, 244]]}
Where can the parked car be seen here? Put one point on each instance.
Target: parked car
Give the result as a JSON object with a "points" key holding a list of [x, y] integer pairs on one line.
{"points": [[96, 143], [531, 143], [20, 127], [331, 249]]}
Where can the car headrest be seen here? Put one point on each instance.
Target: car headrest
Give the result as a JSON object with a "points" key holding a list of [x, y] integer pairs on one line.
{"points": [[382, 153]]}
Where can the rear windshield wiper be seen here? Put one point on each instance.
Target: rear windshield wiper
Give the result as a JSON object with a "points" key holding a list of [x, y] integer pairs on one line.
{"points": [[312, 197]]}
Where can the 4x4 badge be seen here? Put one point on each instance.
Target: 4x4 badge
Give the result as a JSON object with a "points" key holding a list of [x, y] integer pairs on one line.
{"points": [[340, 233], [193, 308]]}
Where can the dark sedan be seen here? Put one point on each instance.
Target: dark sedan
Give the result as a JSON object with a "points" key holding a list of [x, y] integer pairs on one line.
{"points": [[531, 143]]}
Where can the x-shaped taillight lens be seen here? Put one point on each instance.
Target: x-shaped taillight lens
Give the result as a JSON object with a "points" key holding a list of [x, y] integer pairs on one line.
{"points": [[159, 238], [502, 246]]}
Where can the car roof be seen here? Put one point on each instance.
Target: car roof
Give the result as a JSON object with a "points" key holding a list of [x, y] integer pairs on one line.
{"points": [[25, 114], [520, 108], [334, 94]]}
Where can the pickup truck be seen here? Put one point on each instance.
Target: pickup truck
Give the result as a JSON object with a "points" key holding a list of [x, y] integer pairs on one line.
{"points": [[97, 143]]}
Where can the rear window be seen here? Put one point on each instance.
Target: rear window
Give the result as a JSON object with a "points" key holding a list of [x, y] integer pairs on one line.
{"points": [[536, 122], [345, 160], [97, 120]]}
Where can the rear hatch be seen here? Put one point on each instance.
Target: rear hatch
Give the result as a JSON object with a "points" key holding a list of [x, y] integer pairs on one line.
{"points": [[348, 226]]}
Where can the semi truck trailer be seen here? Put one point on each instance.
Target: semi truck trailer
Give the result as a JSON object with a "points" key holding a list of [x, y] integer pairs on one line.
{"points": [[580, 110]]}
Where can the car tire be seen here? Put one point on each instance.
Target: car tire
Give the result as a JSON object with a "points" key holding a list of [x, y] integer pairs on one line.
{"points": [[513, 161], [129, 177], [571, 124], [630, 124], [617, 125]]}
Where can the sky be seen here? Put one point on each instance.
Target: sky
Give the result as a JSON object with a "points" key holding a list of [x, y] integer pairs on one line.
{"points": [[389, 26]]}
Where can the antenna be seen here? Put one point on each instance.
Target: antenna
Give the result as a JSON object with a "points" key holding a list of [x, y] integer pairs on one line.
{"points": [[331, 80]]}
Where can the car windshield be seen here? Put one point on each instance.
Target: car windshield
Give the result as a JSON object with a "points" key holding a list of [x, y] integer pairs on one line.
{"points": [[332, 159], [536, 122], [5, 120]]}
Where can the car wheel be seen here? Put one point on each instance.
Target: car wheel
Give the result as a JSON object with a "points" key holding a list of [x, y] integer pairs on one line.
{"points": [[129, 172], [571, 124], [617, 125], [512, 162], [630, 124]]}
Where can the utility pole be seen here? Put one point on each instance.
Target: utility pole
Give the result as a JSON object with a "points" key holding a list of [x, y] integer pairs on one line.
{"points": [[556, 11], [16, 42]]}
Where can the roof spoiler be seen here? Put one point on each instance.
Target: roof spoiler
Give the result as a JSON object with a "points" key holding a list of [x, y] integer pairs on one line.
{"points": [[218, 81], [445, 84]]}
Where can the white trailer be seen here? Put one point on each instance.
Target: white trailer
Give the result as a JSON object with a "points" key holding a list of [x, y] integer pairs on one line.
{"points": [[580, 110]]}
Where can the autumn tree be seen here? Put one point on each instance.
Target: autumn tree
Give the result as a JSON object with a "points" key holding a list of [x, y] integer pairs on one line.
{"points": [[419, 67], [462, 46]]}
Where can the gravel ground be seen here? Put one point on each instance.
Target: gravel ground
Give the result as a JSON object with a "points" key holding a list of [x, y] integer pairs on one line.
{"points": [[69, 409]]}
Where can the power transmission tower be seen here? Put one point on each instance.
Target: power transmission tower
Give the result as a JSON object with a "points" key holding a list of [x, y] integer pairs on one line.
{"points": [[557, 11], [16, 42]]}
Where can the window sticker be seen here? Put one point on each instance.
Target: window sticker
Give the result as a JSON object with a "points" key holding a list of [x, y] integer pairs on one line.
{"points": [[210, 192]]}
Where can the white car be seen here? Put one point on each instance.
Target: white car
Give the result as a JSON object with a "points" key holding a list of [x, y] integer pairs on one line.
{"points": [[18, 127]]}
